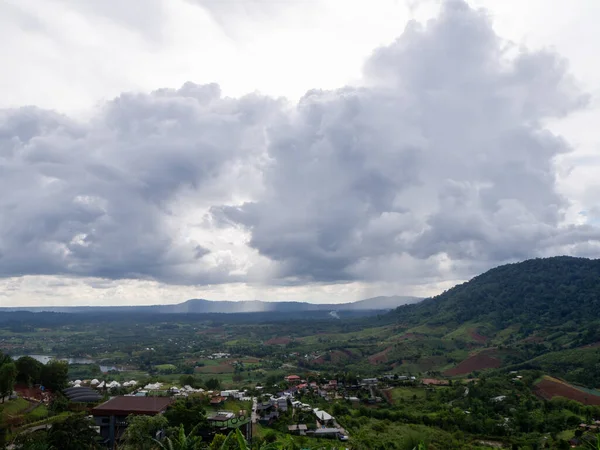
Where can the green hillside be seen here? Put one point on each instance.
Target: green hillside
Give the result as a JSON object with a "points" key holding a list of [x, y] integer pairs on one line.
{"points": [[538, 314], [535, 293]]}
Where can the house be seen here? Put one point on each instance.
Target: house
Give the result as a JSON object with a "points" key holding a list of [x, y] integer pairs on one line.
{"points": [[218, 400], [282, 404], [233, 394], [300, 429], [326, 432], [292, 379], [111, 416], [369, 381], [324, 417]]}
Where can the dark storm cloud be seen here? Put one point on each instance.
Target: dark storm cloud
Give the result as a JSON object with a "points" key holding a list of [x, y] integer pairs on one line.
{"points": [[95, 199], [439, 162]]}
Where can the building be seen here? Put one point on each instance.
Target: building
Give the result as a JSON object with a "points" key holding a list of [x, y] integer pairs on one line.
{"points": [[369, 381], [111, 416], [326, 432], [282, 404], [218, 400], [324, 417], [292, 379], [300, 429]]}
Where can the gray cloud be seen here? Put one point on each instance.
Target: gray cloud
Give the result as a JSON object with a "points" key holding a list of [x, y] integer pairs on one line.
{"points": [[94, 199], [439, 163], [443, 153]]}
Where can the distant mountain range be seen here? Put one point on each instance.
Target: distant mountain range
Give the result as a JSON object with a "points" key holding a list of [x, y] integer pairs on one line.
{"points": [[201, 306]]}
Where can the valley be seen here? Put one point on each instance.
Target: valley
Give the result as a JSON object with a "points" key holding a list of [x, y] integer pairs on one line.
{"points": [[488, 361]]}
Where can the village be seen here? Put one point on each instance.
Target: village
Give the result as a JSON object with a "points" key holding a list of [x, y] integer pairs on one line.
{"points": [[294, 406]]}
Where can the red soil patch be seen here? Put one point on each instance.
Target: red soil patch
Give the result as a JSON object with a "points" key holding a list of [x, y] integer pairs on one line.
{"points": [[434, 382], [478, 361], [387, 394], [477, 337], [549, 388], [30, 392], [278, 341], [380, 357]]}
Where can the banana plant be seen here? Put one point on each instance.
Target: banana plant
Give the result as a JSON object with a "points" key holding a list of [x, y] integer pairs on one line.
{"points": [[181, 441]]}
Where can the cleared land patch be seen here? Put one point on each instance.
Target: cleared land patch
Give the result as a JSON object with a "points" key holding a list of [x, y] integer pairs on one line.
{"points": [[479, 361], [549, 387]]}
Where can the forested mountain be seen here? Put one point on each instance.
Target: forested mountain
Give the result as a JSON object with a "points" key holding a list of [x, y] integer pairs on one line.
{"points": [[546, 292]]}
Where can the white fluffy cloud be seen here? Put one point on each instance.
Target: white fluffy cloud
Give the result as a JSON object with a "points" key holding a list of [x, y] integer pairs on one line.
{"points": [[438, 164]]}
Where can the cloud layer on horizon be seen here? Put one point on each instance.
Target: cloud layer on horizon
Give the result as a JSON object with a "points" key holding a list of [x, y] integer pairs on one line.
{"points": [[439, 163]]}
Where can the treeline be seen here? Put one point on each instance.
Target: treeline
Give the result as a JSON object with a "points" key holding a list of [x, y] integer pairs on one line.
{"points": [[28, 371]]}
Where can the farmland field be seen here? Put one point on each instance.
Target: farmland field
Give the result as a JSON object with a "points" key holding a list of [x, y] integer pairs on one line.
{"points": [[549, 387], [479, 361]]}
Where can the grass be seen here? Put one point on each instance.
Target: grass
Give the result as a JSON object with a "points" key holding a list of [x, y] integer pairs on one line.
{"points": [[39, 413], [12, 407], [407, 393]]}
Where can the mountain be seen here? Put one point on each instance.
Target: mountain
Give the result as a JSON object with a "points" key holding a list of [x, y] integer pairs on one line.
{"points": [[202, 306], [538, 292]]}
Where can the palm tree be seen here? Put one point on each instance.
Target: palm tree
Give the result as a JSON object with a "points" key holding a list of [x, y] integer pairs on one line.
{"points": [[182, 441]]}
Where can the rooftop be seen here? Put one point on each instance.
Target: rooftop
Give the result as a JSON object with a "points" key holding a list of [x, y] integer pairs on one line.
{"points": [[125, 405]]}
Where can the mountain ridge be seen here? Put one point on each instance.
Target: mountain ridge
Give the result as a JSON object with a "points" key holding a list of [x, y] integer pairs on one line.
{"points": [[201, 306]]}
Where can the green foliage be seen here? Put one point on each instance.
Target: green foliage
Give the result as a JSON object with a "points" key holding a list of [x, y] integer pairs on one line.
{"points": [[141, 431], [29, 370], [75, 433], [8, 376], [188, 412], [181, 441], [538, 292], [54, 375]]}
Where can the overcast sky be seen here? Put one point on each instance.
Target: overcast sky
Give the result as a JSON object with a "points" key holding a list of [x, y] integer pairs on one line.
{"points": [[153, 151]]}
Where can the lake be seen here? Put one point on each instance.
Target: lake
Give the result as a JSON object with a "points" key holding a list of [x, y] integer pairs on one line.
{"points": [[44, 359]]}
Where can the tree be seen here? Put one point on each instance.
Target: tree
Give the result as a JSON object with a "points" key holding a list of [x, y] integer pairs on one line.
{"points": [[187, 412], [59, 404], [213, 383], [8, 375], [55, 375], [4, 359], [74, 433], [141, 430], [29, 370]]}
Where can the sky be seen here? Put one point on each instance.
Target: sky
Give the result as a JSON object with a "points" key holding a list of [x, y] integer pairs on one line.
{"points": [[153, 151]]}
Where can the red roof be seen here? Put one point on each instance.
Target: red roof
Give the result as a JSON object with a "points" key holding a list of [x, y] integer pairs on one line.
{"points": [[292, 377], [125, 405]]}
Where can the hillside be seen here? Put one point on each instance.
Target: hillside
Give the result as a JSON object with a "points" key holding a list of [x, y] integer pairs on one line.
{"points": [[537, 293], [541, 314]]}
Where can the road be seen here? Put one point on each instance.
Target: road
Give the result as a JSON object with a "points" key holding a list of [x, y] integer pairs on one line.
{"points": [[254, 406]]}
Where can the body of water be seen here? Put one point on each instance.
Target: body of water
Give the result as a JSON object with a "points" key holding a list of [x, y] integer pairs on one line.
{"points": [[44, 359]]}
